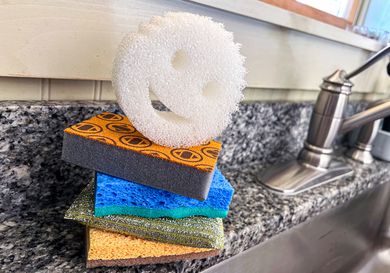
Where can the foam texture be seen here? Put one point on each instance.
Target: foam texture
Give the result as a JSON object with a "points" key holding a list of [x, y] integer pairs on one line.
{"points": [[191, 231], [110, 144], [192, 65], [114, 196], [113, 249]]}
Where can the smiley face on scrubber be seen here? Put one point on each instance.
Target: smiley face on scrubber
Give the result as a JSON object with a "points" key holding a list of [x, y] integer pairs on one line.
{"points": [[192, 65]]}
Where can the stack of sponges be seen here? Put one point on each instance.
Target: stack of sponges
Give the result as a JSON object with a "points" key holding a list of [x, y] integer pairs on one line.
{"points": [[147, 203]]}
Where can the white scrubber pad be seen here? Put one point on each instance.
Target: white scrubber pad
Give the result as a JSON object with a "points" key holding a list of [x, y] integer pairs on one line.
{"points": [[193, 67]]}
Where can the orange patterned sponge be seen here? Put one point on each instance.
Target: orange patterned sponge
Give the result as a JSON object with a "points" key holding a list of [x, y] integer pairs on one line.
{"points": [[109, 143], [113, 249]]}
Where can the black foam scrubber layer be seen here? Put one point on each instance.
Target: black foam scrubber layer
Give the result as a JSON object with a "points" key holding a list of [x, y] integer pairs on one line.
{"points": [[108, 143]]}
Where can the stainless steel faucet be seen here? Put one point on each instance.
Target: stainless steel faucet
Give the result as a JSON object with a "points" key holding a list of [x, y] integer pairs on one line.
{"points": [[315, 164], [361, 151]]}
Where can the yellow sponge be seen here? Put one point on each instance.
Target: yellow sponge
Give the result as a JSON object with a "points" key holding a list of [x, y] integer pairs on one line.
{"points": [[107, 248]]}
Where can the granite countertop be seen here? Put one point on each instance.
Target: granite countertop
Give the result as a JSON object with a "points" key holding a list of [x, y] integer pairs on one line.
{"points": [[37, 187]]}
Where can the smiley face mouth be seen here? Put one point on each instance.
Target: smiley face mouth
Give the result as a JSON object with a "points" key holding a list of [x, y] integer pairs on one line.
{"points": [[163, 111], [211, 91]]}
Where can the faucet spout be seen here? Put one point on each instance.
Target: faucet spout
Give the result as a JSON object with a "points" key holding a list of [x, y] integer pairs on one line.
{"points": [[378, 111], [378, 56]]}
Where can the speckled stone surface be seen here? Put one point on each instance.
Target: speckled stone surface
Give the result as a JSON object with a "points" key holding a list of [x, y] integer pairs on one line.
{"points": [[36, 187]]}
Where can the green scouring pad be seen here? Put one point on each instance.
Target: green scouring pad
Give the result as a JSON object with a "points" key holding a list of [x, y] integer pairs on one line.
{"points": [[192, 231]]}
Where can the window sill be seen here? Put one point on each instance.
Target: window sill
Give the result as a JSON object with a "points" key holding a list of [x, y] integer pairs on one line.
{"points": [[267, 13]]}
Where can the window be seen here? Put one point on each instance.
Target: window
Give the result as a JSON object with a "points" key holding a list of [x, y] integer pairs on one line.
{"points": [[339, 8], [378, 15], [340, 13]]}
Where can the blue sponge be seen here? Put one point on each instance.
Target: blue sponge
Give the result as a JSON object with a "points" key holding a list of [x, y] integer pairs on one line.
{"points": [[115, 196]]}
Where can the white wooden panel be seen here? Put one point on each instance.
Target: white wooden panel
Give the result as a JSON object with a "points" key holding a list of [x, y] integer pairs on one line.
{"points": [[78, 40], [20, 89]]}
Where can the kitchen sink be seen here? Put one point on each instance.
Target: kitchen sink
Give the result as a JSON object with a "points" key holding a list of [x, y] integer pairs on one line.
{"points": [[351, 238], [379, 262], [378, 258]]}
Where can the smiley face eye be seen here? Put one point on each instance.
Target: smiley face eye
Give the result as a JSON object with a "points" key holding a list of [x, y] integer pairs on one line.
{"points": [[180, 60], [192, 65], [212, 90]]}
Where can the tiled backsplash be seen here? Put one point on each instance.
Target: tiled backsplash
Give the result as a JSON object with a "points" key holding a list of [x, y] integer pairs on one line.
{"points": [[56, 89]]}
